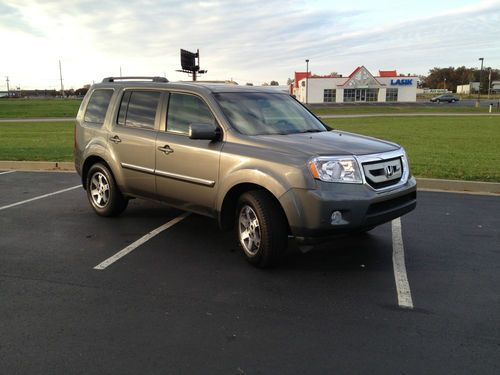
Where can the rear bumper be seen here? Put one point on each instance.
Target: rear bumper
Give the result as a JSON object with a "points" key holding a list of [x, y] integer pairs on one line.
{"points": [[309, 211]]}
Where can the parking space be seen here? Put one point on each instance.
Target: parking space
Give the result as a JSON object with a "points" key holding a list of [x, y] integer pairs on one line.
{"points": [[185, 301]]}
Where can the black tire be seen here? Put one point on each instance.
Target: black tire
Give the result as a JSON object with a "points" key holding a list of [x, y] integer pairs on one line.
{"points": [[266, 243], [438, 101], [452, 101], [103, 193]]}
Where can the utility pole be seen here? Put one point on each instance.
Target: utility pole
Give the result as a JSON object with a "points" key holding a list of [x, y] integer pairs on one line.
{"points": [[8, 89], [60, 76]]}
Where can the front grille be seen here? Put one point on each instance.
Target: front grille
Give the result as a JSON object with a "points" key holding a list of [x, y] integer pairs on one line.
{"points": [[383, 173]]}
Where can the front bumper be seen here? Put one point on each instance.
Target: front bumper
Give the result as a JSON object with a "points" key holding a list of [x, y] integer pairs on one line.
{"points": [[309, 211]]}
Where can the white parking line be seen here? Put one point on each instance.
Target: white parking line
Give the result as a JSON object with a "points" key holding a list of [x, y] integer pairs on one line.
{"points": [[40, 197], [140, 241], [398, 260], [7, 172]]}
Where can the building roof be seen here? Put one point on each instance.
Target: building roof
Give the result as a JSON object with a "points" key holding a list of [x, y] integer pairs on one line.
{"points": [[387, 73], [300, 76], [361, 74]]}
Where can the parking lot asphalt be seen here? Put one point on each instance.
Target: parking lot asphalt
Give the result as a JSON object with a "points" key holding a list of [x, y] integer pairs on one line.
{"points": [[186, 301]]}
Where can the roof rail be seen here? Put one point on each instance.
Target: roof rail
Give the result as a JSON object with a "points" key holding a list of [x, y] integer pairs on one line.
{"points": [[152, 79]]}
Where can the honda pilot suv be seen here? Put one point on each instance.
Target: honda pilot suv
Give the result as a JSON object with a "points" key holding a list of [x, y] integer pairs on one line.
{"points": [[253, 158]]}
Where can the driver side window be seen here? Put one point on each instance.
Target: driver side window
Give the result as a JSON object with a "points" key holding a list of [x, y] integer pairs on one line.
{"points": [[184, 110]]}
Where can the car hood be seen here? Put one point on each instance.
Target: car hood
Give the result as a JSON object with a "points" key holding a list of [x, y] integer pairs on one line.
{"points": [[326, 143]]}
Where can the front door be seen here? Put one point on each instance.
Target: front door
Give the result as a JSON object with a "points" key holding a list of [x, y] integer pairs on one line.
{"points": [[186, 169], [361, 95]]}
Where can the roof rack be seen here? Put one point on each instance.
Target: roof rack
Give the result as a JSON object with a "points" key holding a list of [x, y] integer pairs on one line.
{"points": [[152, 79]]}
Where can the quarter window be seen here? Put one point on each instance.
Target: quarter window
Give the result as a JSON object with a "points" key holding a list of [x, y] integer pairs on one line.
{"points": [[138, 109], [98, 106], [184, 110]]}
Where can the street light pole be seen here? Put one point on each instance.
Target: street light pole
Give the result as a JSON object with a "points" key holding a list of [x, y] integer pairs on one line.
{"points": [[307, 79], [478, 102], [489, 84]]}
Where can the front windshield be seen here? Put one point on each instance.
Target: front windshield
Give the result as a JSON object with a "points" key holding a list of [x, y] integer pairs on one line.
{"points": [[258, 113]]}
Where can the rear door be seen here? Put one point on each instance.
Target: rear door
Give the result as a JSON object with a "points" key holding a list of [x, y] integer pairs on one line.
{"points": [[132, 139], [186, 169]]}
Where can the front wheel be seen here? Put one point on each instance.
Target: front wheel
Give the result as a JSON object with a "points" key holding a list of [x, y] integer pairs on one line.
{"points": [[261, 228], [102, 192]]}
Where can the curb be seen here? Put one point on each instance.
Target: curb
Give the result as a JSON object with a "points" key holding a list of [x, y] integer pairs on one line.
{"points": [[38, 165], [423, 183], [458, 186]]}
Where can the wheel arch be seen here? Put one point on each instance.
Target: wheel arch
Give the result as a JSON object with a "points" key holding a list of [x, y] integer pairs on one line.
{"points": [[227, 211], [88, 163]]}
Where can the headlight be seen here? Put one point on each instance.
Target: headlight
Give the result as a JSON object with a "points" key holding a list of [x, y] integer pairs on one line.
{"points": [[336, 169]]}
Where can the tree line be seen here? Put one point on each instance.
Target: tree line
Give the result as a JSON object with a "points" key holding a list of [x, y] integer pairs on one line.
{"points": [[450, 78]]}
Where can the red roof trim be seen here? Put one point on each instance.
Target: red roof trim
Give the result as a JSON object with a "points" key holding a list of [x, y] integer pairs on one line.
{"points": [[387, 73]]}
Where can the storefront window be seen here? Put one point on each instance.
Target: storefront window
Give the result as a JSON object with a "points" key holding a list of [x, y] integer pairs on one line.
{"points": [[360, 95], [329, 95], [372, 95], [349, 95], [391, 95]]}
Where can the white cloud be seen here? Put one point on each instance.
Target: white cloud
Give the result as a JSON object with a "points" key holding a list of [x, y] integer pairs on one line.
{"points": [[250, 41]]}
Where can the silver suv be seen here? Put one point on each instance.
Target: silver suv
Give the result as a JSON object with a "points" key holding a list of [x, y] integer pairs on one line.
{"points": [[256, 160]]}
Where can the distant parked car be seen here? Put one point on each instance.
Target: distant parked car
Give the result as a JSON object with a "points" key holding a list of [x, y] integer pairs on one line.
{"points": [[450, 98]]}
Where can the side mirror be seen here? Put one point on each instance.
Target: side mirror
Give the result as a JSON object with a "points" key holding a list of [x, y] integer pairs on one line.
{"points": [[204, 131]]}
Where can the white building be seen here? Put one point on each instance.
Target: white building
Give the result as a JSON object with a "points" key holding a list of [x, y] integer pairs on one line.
{"points": [[359, 86], [469, 88], [495, 86]]}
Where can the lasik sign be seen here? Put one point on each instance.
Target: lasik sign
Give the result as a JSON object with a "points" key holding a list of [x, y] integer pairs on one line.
{"points": [[401, 82]]}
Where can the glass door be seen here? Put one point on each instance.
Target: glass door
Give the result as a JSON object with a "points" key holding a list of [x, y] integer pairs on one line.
{"points": [[361, 95]]}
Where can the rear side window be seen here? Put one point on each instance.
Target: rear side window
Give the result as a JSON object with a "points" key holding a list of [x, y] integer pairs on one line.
{"points": [[98, 106], [138, 109], [184, 110]]}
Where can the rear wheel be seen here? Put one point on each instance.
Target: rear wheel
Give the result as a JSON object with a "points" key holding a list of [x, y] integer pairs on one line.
{"points": [[261, 228], [102, 192]]}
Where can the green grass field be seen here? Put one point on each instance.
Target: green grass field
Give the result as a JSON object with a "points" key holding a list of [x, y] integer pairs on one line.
{"points": [[395, 109], [51, 141], [461, 148], [34, 108]]}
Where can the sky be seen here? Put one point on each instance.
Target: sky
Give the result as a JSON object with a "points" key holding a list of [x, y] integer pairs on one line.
{"points": [[248, 41]]}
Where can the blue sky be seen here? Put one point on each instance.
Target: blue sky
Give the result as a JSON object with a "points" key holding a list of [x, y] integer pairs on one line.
{"points": [[248, 41]]}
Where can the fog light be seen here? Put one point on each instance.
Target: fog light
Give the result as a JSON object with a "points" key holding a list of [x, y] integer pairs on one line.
{"points": [[336, 218]]}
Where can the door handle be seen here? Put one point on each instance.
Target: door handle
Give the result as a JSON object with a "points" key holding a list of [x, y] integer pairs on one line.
{"points": [[115, 139], [166, 149]]}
